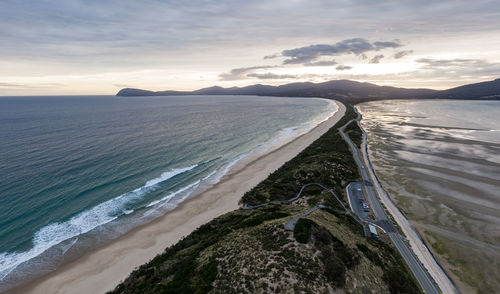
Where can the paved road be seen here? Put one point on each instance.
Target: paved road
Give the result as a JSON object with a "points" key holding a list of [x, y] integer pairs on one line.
{"points": [[354, 194], [422, 276], [357, 199]]}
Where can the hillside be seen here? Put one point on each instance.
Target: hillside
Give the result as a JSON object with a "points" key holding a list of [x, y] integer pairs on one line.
{"points": [[484, 90], [345, 90], [250, 251], [331, 89]]}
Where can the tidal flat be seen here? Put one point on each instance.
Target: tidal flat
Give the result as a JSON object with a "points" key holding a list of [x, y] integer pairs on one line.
{"points": [[439, 161]]}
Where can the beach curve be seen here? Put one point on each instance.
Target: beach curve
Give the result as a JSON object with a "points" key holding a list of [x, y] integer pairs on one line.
{"points": [[101, 270]]}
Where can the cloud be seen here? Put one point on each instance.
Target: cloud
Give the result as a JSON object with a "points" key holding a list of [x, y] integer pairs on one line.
{"points": [[376, 59], [321, 63], [123, 86], [10, 85], [241, 72], [446, 63], [271, 76], [272, 56], [356, 46], [343, 67], [458, 67], [383, 45], [275, 76], [402, 54], [73, 41], [30, 86]]}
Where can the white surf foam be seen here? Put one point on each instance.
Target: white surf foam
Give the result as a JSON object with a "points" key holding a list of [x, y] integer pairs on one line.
{"points": [[181, 190], [55, 233]]}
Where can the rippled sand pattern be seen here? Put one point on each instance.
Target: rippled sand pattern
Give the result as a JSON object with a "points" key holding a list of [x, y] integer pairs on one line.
{"points": [[440, 161]]}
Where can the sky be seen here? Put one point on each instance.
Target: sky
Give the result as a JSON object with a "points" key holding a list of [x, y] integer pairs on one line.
{"points": [[88, 47]]}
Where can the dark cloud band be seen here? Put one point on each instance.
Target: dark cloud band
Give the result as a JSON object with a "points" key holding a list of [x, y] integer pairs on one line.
{"points": [[356, 46], [376, 59], [241, 72]]}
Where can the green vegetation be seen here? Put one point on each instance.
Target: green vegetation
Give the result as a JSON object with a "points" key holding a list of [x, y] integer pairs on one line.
{"points": [[335, 256], [180, 269], [249, 251], [302, 230], [396, 273]]}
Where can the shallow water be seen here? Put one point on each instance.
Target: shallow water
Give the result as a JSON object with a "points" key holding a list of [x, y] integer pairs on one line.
{"points": [[77, 172], [440, 161]]}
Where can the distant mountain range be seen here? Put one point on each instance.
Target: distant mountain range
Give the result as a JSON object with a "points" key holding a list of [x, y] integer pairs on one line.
{"points": [[339, 89]]}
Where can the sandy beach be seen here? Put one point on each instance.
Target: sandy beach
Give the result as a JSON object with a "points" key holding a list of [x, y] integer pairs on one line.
{"points": [[101, 270]]}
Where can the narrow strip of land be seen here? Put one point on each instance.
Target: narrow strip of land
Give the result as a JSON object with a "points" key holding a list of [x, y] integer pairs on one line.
{"points": [[381, 219]]}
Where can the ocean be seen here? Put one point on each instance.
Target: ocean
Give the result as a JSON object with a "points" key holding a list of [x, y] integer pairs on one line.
{"points": [[77, 172], [440, 161]]}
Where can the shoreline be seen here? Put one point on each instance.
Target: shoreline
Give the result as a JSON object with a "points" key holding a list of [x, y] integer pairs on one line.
{"points": [[24, 266], [102, 269], [445, 192], [417, 245]]}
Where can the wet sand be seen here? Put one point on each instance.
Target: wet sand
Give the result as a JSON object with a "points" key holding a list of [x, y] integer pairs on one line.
{"points": [[101, 270], [445, 181]]}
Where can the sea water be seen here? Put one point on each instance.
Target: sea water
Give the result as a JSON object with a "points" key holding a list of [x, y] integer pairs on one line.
{"points": [[76, 172]]}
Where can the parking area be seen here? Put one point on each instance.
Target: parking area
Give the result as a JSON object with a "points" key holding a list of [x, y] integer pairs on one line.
{"points": [[357, 200]]}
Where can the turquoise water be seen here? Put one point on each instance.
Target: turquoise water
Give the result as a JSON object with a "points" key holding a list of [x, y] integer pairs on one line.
{"points": [[79, 171]]}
